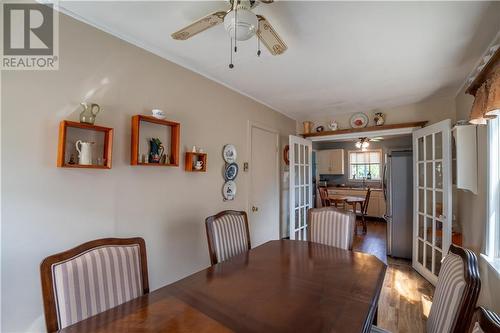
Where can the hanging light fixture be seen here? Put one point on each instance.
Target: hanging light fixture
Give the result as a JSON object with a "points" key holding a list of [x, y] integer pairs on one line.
{"points": [[362, 143], [241, 24]]}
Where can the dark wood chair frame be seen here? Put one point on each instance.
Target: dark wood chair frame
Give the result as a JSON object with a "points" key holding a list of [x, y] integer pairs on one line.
{"points": [[323, 195], [463, 318], [49, 302], [309, 219], [209, 224], [363, 213], [364, 209], [488, 320]]}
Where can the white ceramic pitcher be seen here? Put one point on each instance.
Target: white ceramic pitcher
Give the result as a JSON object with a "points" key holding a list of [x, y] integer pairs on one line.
{"points": [[84, 152]]}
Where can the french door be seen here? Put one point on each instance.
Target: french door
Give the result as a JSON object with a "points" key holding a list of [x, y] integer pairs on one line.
{"points": [[300, 156], [432, 198]]}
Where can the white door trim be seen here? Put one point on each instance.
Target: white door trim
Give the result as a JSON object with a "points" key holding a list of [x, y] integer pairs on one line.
{"points": [[251, 124]]}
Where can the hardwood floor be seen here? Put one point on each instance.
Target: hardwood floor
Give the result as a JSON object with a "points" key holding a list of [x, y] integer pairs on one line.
{"points": [[405, 299]]}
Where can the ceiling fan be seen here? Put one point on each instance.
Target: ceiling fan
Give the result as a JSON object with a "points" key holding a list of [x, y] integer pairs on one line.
{"points": [[241, 24], [364, 143]]}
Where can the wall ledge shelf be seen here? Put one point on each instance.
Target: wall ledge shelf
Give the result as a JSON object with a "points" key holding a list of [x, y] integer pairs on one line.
{"points": [[63, 151], [371, 131], [173, 145], [191, 158]]}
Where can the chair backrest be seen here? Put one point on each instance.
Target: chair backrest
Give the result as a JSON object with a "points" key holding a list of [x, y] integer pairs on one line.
{"points": [[227, 234], [485, 321], [91, 278], [456, 293], [323, 195], [367, 201], [331, 226]]}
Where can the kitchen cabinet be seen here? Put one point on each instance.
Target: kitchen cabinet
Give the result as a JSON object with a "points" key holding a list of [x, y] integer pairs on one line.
{"points": [[464, 158], [330, 162], [376, 205]]}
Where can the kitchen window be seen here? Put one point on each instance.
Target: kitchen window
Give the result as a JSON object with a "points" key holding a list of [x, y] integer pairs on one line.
{"points": [[365, 165]]}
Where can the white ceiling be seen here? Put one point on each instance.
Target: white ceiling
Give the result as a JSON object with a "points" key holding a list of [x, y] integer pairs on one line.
{"points": [[342, 56]]}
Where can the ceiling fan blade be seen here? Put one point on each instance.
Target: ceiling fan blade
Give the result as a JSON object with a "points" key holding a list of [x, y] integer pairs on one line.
{"points": [[201, 25], [270, 37]]}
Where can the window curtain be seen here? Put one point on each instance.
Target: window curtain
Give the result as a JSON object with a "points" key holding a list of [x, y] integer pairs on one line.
{"points": [[487, 99]]}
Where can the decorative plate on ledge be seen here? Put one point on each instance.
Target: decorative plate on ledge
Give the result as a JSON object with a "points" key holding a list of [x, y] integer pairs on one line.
{"points": [[359, 120]]}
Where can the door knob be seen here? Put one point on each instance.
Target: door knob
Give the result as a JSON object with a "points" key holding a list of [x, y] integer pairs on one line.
{"points": [[255, 209]]}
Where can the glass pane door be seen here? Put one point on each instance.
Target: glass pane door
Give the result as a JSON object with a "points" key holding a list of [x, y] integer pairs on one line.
{"points": [[300, 157], [432, 196]]}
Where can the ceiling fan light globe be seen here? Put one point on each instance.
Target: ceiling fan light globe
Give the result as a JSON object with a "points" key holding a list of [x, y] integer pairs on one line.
{"points": [[246, 24]]}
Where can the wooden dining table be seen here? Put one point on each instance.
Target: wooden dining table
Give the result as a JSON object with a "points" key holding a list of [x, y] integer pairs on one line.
{"points": [[353, 201], [280, 286]]}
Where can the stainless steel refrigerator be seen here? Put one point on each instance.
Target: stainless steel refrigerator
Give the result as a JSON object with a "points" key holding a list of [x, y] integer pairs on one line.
{"points": [[398, 194]]}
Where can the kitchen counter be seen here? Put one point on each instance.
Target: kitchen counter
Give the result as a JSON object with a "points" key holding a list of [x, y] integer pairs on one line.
{"points": [[376, 205], [352, 188]]}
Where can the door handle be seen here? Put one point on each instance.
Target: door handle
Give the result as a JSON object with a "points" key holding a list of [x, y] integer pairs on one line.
{"points": [[255, 209]]}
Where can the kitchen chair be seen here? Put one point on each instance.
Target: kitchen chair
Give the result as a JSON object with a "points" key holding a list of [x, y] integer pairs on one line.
{"points": [[92, 278], [323, 195], [363, 212], [485, 321], [331, 226], [456, 293], [227, 234]]}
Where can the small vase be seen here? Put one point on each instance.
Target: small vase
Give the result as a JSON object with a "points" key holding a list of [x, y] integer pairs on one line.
{"points": [[90, 111], [307, 126], [379, 119]]}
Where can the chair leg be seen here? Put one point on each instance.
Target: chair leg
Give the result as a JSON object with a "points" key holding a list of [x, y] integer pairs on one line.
{"points": [[363, 219]]}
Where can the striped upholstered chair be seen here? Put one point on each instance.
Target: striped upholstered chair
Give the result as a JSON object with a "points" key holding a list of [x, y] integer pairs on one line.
{"points": [[485, 321], [227, 234], [331, 226], [92, 278], [456, 293]]}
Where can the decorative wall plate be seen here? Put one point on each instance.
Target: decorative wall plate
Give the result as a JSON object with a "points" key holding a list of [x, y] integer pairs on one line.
{"points": [[229, 190], [231, 171], [359, 120], [229, 153]]}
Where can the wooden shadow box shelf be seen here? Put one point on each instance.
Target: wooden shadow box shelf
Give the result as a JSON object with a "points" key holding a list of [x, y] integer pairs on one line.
{"points": [[71, 131], [192, 158], [147, 127]]}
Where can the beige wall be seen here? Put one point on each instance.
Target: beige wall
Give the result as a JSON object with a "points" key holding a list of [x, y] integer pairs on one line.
{"points": [[433, 110], [47, 209], [471, 211]]}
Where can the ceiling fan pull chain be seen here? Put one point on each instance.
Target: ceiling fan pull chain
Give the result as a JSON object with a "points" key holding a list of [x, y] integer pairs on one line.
{"points": [[231, 53], [258, 46], [236, 25]]}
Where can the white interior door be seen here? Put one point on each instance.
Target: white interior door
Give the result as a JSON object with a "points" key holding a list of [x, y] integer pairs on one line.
{"points": [[264, 198], [301, 189], [432, 198]]}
